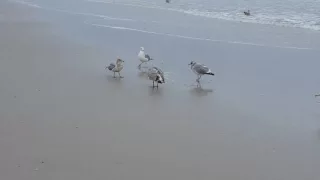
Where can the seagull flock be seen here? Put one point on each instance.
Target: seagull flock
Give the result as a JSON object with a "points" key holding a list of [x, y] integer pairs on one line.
{"points": [[154, 73]]}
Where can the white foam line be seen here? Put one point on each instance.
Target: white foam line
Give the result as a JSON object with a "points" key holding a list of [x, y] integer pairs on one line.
{"points": [[133, 5], [78, 13], [195, 38], [25, 3], [102, 16], [93, 15]]}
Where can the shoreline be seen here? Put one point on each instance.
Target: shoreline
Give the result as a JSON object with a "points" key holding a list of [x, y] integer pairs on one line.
{"points": [[246, 33]]}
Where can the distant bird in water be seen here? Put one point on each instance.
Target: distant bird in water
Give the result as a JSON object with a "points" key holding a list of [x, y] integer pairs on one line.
{"points": [[143, 57], [116, 67], [156, 75], [247, 13], [200, 70]]}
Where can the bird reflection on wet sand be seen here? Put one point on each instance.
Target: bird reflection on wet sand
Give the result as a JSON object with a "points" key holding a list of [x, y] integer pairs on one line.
{"points": [[110, 78], [199, 91], [155, 91]]}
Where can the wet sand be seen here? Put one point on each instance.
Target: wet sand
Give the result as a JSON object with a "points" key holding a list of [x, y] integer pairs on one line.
{"points": [[64, 117]]}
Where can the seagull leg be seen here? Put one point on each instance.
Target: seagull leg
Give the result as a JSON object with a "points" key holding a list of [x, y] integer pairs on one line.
{"points": [[157, 85], [120, 75], [153, 84], [139, 66], [114, 74], [198, 79], [199, 85]]}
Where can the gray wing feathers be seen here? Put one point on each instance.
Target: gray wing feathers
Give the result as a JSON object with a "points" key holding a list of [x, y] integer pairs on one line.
{"points": [[160, 73], [201, 69], [148, 57], [154, 72], [111, 66]]}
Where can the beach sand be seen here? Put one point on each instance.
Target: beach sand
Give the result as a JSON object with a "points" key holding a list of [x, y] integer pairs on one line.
{"points": [[63, 117]]}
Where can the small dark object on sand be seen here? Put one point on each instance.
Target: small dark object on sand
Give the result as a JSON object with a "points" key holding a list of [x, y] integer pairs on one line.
{"points": [[42, 162], [247, 13], [316, 95], [167, 1]]}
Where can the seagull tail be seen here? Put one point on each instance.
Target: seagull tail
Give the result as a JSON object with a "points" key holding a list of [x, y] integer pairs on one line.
{"points": [[159, 79], [210, 73]]}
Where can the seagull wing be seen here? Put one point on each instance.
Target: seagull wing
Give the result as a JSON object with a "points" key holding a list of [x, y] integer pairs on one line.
{"points": [[159, 72], [201, 69], [111, 66], [148, 57]]}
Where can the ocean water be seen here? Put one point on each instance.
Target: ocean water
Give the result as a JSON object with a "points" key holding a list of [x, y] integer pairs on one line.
{"points": [[289, 13]]}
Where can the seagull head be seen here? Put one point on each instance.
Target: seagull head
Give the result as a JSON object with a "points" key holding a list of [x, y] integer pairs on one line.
{"points": [[120, 60], [191, 63], [142, 48]]}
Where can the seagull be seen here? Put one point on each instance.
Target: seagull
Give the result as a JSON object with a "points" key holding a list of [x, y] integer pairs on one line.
{"points": [[247, 13], [156, 75], [116, 67], [200, 70], [143, 57]]}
